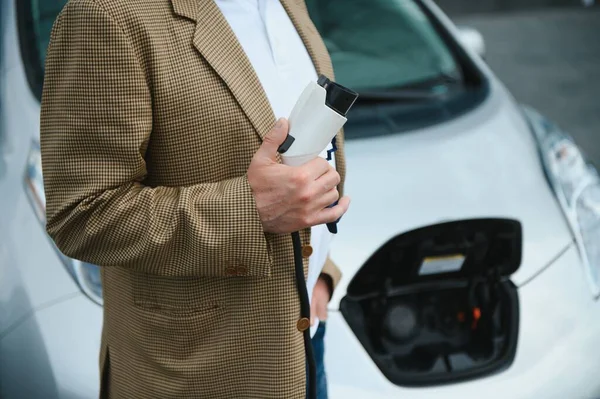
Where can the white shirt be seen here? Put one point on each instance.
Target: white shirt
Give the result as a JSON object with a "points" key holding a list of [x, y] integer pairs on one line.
{"points": [[284, 68]]}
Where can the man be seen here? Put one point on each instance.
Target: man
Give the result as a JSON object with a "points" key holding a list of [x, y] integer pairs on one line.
{"points": [[159, 146]]}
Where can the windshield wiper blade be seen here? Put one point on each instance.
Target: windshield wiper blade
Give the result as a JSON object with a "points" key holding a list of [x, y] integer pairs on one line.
{"points": [[445, 77], [401, 95], [434, 89]]}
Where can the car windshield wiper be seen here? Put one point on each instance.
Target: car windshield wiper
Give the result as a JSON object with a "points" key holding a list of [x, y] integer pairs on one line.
{"points": [[401, 95], [434, 89], [448, 78]]}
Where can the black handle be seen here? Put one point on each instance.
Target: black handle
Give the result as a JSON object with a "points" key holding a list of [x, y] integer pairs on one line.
{"points": [[289, 140], [332, 226]]}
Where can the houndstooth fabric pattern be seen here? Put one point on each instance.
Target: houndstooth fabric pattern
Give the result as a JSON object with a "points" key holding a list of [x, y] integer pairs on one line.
{"points": [[151, 113]]}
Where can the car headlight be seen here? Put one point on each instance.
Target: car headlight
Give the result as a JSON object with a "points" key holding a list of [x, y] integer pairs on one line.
{"points": [[577, 186], [86, 276]]}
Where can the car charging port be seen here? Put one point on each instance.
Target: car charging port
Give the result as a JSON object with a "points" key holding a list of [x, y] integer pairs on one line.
{"points": [[436, 305]]}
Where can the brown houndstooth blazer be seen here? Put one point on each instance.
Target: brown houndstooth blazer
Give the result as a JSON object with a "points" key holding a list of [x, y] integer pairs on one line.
{"points": [[151, 114]]}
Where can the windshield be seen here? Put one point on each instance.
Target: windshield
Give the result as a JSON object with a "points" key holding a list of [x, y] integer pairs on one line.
{"points": [[381, 44], [36, 18], [390, 51], [374, 44], [44, 12], [409, 71]]}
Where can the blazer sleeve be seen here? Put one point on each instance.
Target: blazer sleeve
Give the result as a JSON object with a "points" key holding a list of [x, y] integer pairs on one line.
{"points": [[96, 122]]}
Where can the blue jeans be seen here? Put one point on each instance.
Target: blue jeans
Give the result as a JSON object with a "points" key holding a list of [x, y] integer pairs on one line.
{"points": [[318, 343]]}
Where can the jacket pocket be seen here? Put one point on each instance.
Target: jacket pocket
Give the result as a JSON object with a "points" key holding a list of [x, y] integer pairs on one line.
{"points": [[178, 296], [177, 338]]}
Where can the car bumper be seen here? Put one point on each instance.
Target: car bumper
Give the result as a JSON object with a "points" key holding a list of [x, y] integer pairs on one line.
{"points": [[558, 354], [54, 352]]}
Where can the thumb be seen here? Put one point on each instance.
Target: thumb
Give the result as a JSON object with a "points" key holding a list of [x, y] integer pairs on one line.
{"points": [[274, 139]]}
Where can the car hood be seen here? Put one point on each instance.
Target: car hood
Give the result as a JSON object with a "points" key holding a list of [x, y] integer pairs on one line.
{"points": [[483, 164]]}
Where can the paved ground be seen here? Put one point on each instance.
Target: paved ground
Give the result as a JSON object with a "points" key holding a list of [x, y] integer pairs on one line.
{"points": [[550, 59]]}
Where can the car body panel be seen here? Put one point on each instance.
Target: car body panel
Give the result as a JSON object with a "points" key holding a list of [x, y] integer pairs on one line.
{"points": [[31, 273], [58, 347], [30, 262], [557, 354], [8, 30], [484, 164]]}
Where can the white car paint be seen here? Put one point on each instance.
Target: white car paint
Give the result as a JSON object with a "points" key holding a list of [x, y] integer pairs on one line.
{"points": [[484, 164], [27, 257], [54, 352]]}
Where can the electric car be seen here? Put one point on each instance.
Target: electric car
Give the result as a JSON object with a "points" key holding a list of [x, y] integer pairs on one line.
{"points": [[470, 254]]}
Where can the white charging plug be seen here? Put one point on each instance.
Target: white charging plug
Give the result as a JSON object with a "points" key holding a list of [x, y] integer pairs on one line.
{"points": [[317, 117]]}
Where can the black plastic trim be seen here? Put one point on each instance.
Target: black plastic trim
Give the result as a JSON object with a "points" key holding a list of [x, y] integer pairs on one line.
{"points": [[416, 380], [390, 279]]}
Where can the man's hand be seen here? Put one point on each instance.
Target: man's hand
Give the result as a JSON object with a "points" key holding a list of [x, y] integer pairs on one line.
{"points": [[320, 299], [292, 198]]}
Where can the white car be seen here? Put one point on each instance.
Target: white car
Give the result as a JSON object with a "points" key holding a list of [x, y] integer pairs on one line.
{"points": [[471, 253]]}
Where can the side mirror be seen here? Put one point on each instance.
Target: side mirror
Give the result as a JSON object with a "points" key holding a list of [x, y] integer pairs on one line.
{"points": [[472, 39]]}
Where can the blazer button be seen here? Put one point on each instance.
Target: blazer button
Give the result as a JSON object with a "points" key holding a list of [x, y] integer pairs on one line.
{"points": [[231, 271], [242, 270], [307, 251], [303, 324]]}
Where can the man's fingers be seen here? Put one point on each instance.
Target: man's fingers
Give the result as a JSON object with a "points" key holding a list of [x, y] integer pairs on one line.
{"points": [[316, 168], [274, 139], [313, 311], [329, 180], [327, 199], [332, 214]]}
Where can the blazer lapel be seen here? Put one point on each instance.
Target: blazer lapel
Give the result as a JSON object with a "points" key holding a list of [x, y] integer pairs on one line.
{"points": [[218, 44]]}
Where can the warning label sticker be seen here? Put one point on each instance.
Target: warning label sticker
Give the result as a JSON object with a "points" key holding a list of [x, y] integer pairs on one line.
{"points": [[441, 264]]}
